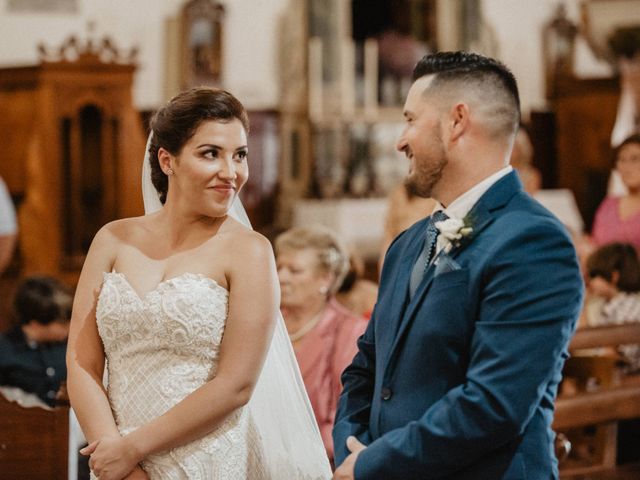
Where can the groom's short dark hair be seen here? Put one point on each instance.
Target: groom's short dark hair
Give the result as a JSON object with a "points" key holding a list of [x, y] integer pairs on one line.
{"points": [[495, 84]]}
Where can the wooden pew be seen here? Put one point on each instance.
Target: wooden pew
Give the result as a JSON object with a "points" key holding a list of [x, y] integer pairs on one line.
{"points": [[594, 337], [604, 397], [611, 404], [34, 442]]}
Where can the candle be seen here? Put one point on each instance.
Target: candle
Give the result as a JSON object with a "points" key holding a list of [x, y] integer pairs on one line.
{"points": [[370, 77], [315, 78], [348, 79]]}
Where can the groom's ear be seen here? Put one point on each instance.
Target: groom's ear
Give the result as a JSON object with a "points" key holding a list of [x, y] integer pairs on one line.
{"points": [[459, 117]]}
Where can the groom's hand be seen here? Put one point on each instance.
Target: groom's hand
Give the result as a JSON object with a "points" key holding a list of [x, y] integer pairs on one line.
{"points": [[346, 470]]}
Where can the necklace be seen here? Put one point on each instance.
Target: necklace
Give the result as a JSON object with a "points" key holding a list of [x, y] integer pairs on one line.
{"points": [[306, 328]]}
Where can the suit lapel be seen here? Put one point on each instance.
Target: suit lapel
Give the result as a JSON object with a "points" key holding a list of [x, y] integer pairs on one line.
{"points": [[480, 217], [482, 213], [410, 310], [400, 297], [401, 290]]}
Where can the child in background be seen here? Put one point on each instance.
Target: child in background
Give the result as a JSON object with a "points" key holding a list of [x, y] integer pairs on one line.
{"points": [[32, 354], [614, 276]]}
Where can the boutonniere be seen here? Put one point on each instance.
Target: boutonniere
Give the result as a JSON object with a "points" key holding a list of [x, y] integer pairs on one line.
{"points": [[452, 232]]}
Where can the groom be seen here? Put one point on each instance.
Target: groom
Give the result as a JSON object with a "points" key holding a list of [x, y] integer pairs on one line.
{"points": [[456, 375]]}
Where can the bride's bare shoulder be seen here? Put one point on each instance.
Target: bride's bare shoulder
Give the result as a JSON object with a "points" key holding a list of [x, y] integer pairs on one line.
{"points": [[123, 229], [243, 241]]}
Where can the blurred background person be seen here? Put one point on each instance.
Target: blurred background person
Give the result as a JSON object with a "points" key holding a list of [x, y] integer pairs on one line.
{"points": [[403, 210], [8, 227], [614, 282], [618, 218], [32, 354], [357, 293], [311, 264], [522, 162], [613, 298]]}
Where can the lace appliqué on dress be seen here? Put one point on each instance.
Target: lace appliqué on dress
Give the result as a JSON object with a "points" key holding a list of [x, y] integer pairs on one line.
{"points": [[160, 347]]}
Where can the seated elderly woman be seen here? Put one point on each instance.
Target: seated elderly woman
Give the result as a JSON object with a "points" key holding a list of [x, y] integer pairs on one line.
{"points": [[618, 218], [311, 264]]}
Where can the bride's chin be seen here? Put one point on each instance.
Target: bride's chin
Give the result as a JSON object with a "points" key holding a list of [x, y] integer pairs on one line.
{"points": [[219, 209]]}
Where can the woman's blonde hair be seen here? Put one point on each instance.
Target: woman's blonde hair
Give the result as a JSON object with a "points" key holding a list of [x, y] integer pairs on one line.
{"points": [[332, 255]]}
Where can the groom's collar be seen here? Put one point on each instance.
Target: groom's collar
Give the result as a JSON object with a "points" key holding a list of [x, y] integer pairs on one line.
{"points": [[499, 193], [462, 205]]}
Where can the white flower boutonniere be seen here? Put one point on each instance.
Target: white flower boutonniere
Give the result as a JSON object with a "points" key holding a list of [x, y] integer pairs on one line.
{"points": [[452, 232]]}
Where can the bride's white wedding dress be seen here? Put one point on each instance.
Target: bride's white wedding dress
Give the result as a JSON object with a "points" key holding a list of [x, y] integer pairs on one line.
{"points": [[160, 347], [163, 345]]}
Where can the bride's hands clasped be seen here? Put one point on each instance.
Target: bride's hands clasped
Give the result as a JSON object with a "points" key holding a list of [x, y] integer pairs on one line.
{"points": [[113, 458]]}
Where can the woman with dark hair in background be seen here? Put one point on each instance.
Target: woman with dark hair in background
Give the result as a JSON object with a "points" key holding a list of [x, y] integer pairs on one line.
{"points": [[618, 218]]}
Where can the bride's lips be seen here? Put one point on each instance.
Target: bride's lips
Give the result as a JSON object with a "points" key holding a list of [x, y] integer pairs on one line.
{"points": [[226, 189]]}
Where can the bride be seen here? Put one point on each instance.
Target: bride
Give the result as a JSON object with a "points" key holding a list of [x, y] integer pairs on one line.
{"points": [[182, 307]]}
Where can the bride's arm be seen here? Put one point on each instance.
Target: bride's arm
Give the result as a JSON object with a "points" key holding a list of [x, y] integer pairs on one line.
{"points": [[253, 306], [85, 355]]}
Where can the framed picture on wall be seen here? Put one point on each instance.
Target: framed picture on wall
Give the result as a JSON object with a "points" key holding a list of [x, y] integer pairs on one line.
{"points": [[201, 43]]}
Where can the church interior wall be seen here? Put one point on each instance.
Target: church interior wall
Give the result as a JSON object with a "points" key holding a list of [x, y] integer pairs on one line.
{"points": [[511, 30], [250, 42], [250, 53]]}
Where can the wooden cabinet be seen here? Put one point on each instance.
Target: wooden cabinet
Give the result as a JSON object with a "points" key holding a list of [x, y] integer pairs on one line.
{"points": [[585, 113], [73, 151]]}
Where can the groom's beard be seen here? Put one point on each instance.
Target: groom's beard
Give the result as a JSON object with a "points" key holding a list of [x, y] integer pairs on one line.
{"points": [[426, 175]]}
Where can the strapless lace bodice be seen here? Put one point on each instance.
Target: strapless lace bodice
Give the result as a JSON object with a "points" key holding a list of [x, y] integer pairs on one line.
{"points": [[161, 347]]}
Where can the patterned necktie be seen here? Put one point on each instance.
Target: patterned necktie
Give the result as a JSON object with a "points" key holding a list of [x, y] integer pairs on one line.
{"points": [[420, 267]]}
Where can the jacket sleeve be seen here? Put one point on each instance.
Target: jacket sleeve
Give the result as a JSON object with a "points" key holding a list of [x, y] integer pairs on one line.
{"points": [[358, 379], [528, 296], [354, 405]]}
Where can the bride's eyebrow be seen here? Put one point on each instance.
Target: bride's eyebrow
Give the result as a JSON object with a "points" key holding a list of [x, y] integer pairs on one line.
{"points": [[212, 146]]}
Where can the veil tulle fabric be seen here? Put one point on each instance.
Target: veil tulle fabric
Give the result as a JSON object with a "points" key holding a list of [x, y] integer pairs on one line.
{"points": [[279, 406]]}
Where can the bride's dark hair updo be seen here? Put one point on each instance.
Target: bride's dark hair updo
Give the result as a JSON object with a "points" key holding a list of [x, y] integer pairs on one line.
{"points": [[175, 123]]}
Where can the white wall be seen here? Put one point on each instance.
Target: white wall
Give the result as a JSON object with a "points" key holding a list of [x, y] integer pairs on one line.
{"points": [[250, 55], [251, 51], [251, 41], [518, 25]]}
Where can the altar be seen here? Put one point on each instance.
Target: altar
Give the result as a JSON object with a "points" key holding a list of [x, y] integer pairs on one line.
{"points": [[358, 222]]}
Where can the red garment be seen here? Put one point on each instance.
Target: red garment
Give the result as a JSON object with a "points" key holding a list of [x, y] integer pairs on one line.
{"points": [[609, 227], [322, 355]]}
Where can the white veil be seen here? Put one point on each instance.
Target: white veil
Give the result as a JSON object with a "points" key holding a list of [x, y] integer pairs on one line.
{"points": [[279, 406]]}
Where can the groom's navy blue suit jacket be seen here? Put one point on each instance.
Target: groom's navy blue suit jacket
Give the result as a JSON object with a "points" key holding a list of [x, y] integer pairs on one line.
{"points": [[459, 381]]}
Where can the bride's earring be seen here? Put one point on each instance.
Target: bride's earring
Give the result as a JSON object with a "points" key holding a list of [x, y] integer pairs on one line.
{"points": [[323, 290], [169, 171]]}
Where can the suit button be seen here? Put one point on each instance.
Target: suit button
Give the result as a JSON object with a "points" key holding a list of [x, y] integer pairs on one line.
{"points": [[385, 393]]}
